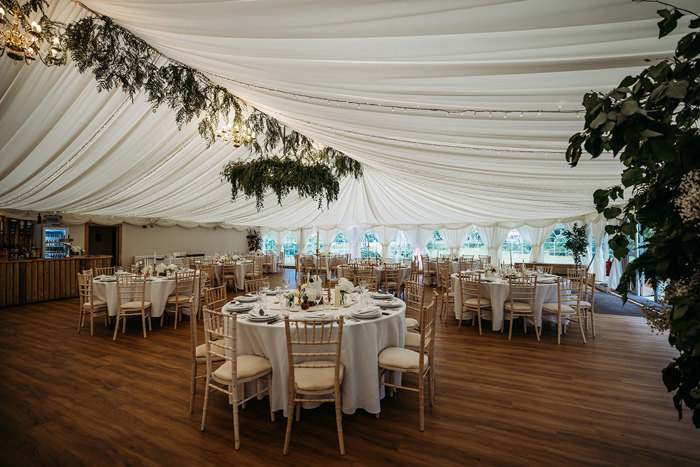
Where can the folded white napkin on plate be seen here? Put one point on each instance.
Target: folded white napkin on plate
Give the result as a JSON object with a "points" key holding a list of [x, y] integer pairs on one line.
{"points": [[367, 311]]}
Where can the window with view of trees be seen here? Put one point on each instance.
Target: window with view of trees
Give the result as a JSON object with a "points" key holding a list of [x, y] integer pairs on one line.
{"points": [[290, 249], [515, 245], [436, 246], [370, 245], [473, 245], [340, 245], [399, 248], [310, 247], [554, 249], [269, 245]]}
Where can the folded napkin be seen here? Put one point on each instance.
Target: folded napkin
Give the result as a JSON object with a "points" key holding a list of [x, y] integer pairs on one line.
{"points": [[367, 311], [318, 315]]}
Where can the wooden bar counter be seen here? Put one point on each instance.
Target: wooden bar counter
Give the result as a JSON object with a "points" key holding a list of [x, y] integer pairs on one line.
{"points": [[40, 280]]}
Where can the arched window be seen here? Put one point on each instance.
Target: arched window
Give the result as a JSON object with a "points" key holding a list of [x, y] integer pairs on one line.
{"points": [[554, 249], [370, 246], [399, 248], [436, 246], [290, 248], [269, 243], [310, 247], [473, 245], [517, 247], [340, 245]]}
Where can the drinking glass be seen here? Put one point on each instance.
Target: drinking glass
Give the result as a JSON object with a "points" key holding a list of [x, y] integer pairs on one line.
{"points": [[285, 281]]}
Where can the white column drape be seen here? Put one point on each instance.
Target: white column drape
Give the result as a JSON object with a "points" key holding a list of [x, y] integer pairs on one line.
{"points": [[615, 273], [352, 233], [412, 238], [299, 238], [454, 238], [279, 236], [385, 235], [424, 236], [536, 236], [493, 237], [325, 237], [598, 266]]}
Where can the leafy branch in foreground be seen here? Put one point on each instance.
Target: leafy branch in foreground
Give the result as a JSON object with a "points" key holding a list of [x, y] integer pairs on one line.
{"points": [[650, 122]]}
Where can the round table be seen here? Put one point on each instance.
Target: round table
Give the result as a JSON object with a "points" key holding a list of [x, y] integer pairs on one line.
{"points": [[498, 292], [157, 292], [363, 340]]}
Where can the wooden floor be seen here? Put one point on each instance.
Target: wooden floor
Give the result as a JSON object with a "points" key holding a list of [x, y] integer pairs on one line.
{"points": [[69, 399]]}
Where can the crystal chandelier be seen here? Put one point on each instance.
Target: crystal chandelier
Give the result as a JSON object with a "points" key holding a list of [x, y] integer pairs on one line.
{"points": [[24, 45], [236, 134]]}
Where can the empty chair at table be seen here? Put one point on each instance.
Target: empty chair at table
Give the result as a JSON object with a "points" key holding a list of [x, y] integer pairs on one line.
{"points": [[472, 300], [446, 293], [391, 276], [182, 298], [419, 362], [414, 304], [228, 274], [521, 302], [315, 371], [131, 295], [587, 304], [369, 282], [106, 271], [567, 308], [214, 299], [89, 305], [220, 342], [254, 285]]}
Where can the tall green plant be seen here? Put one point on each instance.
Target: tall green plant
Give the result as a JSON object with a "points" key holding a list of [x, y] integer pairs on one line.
{"points": [[650, 122], [576, 242]]}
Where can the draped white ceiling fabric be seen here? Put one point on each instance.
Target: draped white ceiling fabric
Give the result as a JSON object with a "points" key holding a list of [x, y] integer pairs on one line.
{"points": [[65, 147]]}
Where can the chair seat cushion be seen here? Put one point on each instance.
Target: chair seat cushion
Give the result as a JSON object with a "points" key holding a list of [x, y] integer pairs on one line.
{"points": [[178, 299], [584, 304], [518, 306], [95, 303], [411, 323], [475, 302], [248, 366], [317, 379], [412, 340], [402, 359], [135, 305], [553, 308], [201, 352]]}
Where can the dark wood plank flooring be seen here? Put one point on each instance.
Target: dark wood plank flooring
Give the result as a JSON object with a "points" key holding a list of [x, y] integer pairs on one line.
{"points": [[69, 399]]}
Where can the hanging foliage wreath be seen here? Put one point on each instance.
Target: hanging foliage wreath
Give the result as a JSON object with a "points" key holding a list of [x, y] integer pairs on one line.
{"points": [[119, 59]]}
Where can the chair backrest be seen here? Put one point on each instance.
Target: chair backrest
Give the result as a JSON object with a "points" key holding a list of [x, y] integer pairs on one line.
{"points": [[392, 272], [425, 260], [569, 291], [522, 289], [108, 271], [364, 270], [207, 279], [311, 339], [184, 283], [470, 287], [85, 288], [215, 297], [206, 262], [466, 264], [257, 266], [131, 288], [589, 288], [414, 296], [427, 333], [444, 276], [576, 272], [228, 270], [368, 281], [220, 337], [253, 285]]}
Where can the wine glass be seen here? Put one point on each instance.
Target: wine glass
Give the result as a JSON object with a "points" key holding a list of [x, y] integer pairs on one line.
{"points": [[285, 281]]}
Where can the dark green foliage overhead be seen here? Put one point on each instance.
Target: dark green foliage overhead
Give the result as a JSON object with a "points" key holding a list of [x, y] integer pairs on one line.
{"points": [[650, 121]]}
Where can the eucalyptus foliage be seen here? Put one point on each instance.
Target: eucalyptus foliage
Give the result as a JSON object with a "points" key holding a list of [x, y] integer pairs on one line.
{"points": [[576, 241], [650, 122], [119, 59]]}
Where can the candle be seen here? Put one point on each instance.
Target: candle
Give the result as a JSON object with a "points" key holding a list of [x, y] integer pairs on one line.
{"points": [[154, 257], [511, 257]]}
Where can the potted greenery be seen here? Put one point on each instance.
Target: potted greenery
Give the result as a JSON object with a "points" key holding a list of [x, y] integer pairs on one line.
{"points": [[576, 242]]}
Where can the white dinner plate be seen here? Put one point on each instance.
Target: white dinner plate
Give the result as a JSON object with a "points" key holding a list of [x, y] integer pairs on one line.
{"points": [[381, 296], [247, 298], [254, 315], [372, 315]]}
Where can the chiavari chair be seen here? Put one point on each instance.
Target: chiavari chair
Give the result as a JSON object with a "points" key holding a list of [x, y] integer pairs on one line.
{"points": [[182, 298], [472, 301], [89, 305], [131, 294], [567, 308], [521, 302]]}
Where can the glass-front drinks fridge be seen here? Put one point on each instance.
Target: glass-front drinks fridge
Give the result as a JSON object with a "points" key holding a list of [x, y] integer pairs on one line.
{"points": [[52, 242]]}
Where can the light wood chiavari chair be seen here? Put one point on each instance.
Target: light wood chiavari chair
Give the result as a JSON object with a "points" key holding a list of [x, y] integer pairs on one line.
{"points": [[220, 342], [414, 303], [587, 303], [472, 301], [447, 295], [214, 299], [576, 272], [521, 302], [567, 308], [253, 285], [403, 360], [228, 274], [314, 373], [107, 271], [368, 281], [466, 264], [89, 305], [182, 298], [206, 280], [391, 276], [131, 294], [268, 263]]}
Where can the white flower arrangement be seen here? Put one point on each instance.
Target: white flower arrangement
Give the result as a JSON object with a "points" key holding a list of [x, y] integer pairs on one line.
{"points": [[290, 296], [77, 250], [345, 285], [235, 258], [160, 268]]}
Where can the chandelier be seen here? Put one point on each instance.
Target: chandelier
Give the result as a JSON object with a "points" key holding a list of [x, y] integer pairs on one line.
{"points": [[236, 134], [26, 45]]}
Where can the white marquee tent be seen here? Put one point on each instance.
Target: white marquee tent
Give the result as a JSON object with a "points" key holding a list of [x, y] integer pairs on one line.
{"points": [[342, 73]]}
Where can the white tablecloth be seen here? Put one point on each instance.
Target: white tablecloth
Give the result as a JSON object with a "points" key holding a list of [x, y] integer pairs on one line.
{"points": [[404, 273], [157, 292], [362, 343], [498, 293], [242, 267]]}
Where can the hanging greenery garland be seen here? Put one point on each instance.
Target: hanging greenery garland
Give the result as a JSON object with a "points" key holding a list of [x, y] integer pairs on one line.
{"points": [[118, 59]]}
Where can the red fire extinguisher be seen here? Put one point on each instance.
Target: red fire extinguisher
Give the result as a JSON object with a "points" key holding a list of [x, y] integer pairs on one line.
{"points": [[608, 265]]}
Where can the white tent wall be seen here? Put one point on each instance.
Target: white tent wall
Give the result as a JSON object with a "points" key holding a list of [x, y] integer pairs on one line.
{"points": [[138, 240]]}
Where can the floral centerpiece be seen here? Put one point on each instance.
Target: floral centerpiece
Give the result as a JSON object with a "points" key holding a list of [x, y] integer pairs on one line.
{"points": [[171, 269], [160, 269], [343, 288], [290, 296], [311, 292], [77, 250], [489, 271], [235, 258]]}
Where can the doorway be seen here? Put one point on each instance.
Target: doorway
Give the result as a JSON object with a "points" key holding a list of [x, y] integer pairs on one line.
{"points": [[104, 240]]}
